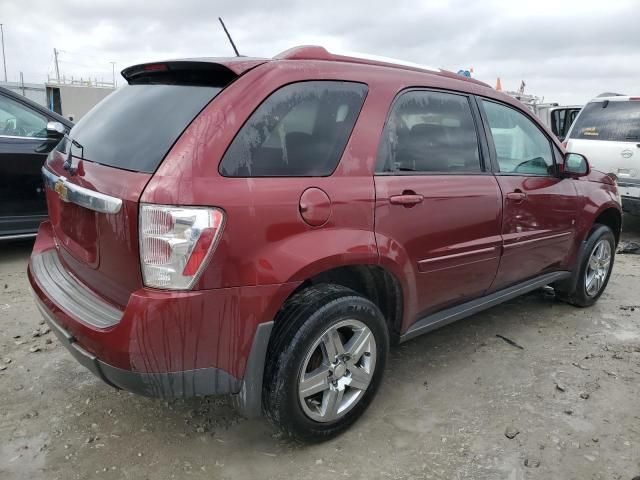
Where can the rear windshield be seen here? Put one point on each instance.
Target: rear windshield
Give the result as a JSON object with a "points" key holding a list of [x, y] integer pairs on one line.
{"points": [[135, 126], [615, 121]]}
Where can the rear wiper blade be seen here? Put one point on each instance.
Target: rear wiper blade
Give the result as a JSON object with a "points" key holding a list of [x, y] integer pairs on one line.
{"points": [[68, 163]]}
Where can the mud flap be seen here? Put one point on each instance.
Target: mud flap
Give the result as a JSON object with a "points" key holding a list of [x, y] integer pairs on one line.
{"points": [[249, 400]]}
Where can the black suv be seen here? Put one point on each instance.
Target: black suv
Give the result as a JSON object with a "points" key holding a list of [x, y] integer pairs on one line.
{"points": [[28, 132]]}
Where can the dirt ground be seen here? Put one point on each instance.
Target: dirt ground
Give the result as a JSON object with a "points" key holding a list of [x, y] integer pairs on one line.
{"points": [[449, 400]]}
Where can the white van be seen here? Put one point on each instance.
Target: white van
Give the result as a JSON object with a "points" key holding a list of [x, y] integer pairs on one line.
{"points": [[607, 132]]}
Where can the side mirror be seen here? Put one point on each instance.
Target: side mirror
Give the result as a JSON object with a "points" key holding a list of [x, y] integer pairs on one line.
{"points": [[575, 165], [55, 130]]}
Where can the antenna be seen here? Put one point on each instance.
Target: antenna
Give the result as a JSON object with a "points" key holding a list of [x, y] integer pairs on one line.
{"points": [[229, 37]]}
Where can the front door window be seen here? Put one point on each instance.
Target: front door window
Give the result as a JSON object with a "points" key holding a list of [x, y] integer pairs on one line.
{"points": [[17, 120]]}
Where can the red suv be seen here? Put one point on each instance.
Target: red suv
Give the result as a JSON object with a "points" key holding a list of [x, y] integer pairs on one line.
{"points": [[266, 228]]}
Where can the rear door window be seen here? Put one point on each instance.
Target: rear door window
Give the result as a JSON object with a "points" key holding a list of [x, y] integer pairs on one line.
{"points": [[300, 130], [429, 132], [135, 126], [617, 121]]}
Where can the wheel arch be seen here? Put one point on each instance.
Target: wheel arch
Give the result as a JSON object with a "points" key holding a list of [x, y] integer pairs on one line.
{"points": [[372, 281], [612, 218], [609, 215]]}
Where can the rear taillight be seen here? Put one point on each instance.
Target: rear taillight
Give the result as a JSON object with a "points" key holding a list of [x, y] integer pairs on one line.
{"points": [[176, 243]]}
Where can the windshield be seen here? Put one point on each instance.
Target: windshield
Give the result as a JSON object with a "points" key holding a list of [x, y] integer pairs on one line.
{"points": [[616, 121], [134, 127]]}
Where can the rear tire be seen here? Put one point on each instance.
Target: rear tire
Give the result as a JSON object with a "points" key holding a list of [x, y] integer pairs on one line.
{"points": [[324, 363], [594, 268]]}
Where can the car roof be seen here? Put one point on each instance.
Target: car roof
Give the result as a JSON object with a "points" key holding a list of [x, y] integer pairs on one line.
{"points": [[36, 106], [400, 72], [239, 65]]}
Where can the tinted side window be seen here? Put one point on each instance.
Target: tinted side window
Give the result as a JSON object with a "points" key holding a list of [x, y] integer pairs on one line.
{"points": [[429, 132], [615, 121], [17, 120], [300, 130], [521, 147]]}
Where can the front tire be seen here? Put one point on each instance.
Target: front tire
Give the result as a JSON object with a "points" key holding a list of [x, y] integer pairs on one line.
{"points": [[594, 268], [324, 362]]}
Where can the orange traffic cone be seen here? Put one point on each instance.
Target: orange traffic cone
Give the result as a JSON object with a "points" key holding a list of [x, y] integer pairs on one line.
{"points": [[498, 85]]}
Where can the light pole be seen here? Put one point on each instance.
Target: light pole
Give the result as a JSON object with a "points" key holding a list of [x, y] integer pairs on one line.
{"points": [[4, 59], [113, 73], [55, 59]]}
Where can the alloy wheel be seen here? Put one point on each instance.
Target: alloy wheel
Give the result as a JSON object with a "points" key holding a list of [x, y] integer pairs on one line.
{"points": [[337, 371], [598, 267]]}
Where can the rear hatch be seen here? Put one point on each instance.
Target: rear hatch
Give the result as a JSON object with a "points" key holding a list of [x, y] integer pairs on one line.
{"points": [[115, 149], [607, 132]]}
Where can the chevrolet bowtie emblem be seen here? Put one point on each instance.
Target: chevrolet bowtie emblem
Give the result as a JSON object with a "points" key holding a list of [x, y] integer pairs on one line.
{"points": [[61, 190]]}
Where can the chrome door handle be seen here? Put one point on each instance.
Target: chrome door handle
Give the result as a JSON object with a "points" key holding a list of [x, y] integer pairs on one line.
{"points": [[407, 200], [517, 197]]}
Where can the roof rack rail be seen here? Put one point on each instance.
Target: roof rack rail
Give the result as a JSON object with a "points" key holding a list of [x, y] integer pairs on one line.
{"points": [[315, 52]]}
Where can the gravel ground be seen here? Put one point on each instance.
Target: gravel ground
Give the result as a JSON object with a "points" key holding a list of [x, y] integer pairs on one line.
{"points": [[460, 403]]}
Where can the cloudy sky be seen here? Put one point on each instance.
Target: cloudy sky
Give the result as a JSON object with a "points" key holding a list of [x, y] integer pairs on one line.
{"points": [[565, 50]]}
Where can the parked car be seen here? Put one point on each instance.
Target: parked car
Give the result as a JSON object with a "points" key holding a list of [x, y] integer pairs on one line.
{"points": [[608, 132], [266, 228], [28, 132]]}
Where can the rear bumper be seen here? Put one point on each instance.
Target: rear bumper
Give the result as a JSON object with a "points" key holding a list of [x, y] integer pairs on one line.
{"points": [[204, 381], [164, 343]]}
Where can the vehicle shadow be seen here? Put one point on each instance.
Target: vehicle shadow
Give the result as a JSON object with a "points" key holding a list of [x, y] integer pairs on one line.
{"points": [[631, 228], [15, 250]]}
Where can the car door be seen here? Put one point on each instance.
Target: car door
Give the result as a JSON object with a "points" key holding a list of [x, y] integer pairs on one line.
{"points": [[539, 207], [438, 210], [23, 149]]}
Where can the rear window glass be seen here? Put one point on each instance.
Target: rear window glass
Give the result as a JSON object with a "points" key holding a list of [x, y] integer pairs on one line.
{"points": [[300, 130], [135, 126], [614, 121]]}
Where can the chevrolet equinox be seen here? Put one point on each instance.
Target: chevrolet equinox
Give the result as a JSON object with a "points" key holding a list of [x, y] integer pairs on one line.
{"points": [[267, 228]]}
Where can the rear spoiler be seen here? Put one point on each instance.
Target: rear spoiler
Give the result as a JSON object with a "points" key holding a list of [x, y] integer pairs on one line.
{"points": [[210, 72]]}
